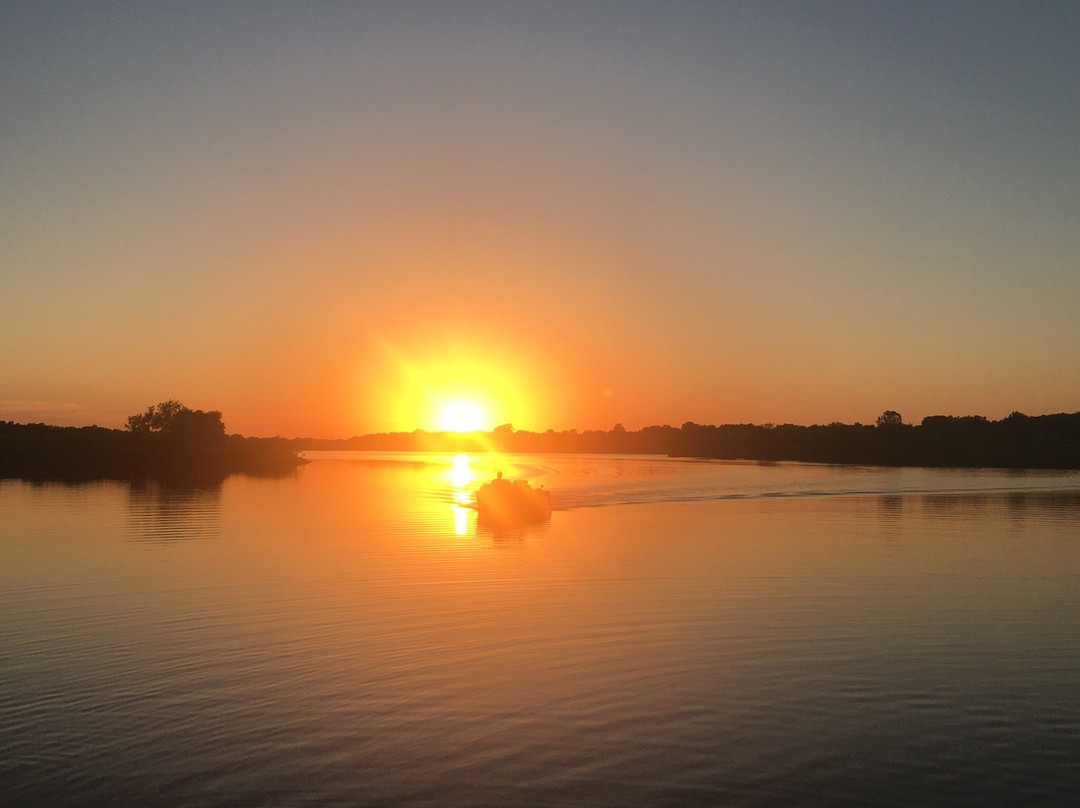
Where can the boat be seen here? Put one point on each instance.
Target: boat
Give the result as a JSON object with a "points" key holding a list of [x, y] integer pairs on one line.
{"points": [[505, 502]]}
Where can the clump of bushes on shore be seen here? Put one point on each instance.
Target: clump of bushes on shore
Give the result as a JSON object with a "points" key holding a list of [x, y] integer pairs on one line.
{"points": [[169, 440]]}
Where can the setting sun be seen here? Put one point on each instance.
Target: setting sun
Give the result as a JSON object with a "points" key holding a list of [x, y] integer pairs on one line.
{"points": [[433, 383], [461, 416]]}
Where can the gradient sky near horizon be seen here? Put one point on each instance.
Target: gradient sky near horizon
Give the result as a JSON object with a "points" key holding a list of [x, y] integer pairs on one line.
{"points": [[323, 219]]}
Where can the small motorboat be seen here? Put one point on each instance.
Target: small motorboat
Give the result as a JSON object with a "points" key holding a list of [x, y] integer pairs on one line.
{"points": [[505, 502]]}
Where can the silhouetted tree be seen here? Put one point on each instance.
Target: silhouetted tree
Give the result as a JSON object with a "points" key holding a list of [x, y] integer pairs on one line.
{"points": [[197, 426], [174, 419], [889, 418], [156, 418]]}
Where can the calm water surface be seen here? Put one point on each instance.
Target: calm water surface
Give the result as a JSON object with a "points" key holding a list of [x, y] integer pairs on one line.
{"points": [[680, 633]]}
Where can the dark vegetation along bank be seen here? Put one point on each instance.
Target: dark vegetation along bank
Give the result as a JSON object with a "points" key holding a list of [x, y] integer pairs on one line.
{"points": [[169, 441], [1018, 441], [172, 442]]}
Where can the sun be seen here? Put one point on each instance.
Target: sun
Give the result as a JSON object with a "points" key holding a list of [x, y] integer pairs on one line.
{"points": [[461, 416]]}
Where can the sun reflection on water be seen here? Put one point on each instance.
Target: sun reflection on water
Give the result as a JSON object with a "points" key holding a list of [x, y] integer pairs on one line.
{"points": [[460, 472], [461, 520], [461, 476]]}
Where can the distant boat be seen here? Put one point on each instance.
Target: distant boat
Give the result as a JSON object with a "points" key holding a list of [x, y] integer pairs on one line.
{"points": [[502, 501]]}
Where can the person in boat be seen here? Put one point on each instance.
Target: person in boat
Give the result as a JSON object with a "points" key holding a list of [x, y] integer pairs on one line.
{"points": [[501, 485]]}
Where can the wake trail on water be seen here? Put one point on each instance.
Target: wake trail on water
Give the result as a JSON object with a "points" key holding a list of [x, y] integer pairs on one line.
{"points": [[565, 500], [613, 482]]}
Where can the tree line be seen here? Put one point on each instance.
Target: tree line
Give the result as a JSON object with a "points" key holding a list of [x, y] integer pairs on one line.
{"points": [[1017, 441], [171, 440]]}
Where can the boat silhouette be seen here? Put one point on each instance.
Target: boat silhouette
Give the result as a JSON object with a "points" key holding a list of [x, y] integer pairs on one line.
{"points": [[504, 502]]}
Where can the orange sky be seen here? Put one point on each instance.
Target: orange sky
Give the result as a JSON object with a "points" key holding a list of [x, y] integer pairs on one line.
{"points": [[333, 221]]}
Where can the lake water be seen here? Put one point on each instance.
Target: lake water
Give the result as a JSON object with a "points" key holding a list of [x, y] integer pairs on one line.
{"points": [[679, 633]]}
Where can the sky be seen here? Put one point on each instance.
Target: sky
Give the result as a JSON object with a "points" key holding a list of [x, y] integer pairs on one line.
{"points": [[328, 219]]}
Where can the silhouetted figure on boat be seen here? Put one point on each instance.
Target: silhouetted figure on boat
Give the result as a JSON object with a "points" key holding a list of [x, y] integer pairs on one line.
{"points": [[505, 502]]}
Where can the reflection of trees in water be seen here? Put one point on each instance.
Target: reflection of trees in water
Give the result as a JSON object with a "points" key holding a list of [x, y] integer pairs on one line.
{"points": [[890, 510], [1056, 505], [169, 512], [1063, 505], [890, 507]]}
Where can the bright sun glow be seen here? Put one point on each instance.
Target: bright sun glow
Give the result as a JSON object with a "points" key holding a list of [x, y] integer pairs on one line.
{"points": [[460, 416], [455, 388]]}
